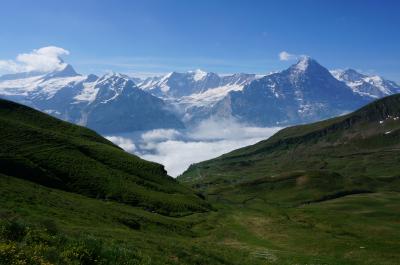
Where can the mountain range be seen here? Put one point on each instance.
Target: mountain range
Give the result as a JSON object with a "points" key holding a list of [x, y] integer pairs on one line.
{"points": [[115, 103], [100, 103]]}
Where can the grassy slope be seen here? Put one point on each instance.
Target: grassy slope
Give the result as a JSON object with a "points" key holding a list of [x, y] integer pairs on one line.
{"points": [[325, 193], [57, 154]]}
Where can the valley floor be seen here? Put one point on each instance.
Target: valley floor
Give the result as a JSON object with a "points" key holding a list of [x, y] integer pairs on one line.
{"points": [[56, 227], [353, 229]]}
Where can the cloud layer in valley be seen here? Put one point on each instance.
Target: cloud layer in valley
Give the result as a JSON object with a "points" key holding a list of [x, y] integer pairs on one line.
{"points": [[45, 59], [125, 143], [177, 150]]}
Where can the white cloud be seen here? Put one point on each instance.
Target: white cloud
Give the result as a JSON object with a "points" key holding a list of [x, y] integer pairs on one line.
{"points": [[213, 129], [160, 134], [177, 150], [45, 59], [177, 156], [9, 66], [285, 56], [125, 143]]}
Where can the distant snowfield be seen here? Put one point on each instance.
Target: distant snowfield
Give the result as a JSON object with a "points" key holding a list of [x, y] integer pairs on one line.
{"points": [[178, 149]]}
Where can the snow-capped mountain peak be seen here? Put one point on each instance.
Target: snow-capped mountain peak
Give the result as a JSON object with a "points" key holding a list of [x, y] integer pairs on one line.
{"points": [[348, 75], [111, 85], [66, 71], [39, 85], [303, 63], [304, 67], [304, 92], [106, 88], [366, 86], [114, 75], [198, 74]]}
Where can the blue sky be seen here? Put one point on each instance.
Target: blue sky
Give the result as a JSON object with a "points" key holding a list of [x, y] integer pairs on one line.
{"points": [[223, 36]]}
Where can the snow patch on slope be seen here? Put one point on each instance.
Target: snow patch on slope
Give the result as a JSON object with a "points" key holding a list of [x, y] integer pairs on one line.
{"points": [[88, 93], [211, 96], [199, 75], [20, 87], [364, 85]]}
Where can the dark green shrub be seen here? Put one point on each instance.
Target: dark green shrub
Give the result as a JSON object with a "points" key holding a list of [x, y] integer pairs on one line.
{"points": [[122, 255], [50, 226], [13, 230], [86, 251]]}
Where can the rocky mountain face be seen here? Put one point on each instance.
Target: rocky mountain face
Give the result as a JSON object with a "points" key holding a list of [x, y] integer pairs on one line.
{"points": [[193, 94], [111, 103], [126, 108], [366, 86], [304, 92]]}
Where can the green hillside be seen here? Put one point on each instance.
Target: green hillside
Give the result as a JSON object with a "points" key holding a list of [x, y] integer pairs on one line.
{"points": [[57, 154]]}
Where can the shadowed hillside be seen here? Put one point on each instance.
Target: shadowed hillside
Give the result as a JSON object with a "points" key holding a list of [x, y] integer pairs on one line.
{"points": [[60, 155]]}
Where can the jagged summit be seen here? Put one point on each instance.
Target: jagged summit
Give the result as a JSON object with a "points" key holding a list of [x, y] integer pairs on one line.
{"points": [[67, 71], [181, 84], [198, 74], [113, 74], [365, 85], [348, 74], [305, 64], [304, 92]]}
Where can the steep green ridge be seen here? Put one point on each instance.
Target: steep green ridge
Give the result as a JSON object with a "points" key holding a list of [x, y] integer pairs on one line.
{"points": [[356, 152], [61, 155]]}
